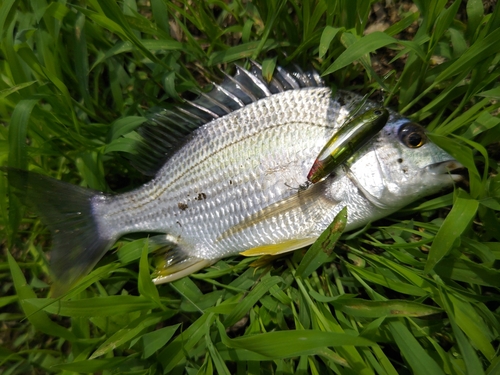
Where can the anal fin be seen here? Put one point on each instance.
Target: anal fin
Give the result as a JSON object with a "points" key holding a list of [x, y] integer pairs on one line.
{"points": [[279, 248]]}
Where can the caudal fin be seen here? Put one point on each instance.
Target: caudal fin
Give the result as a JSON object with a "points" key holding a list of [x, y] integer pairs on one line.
{"points": [[67, 210]]}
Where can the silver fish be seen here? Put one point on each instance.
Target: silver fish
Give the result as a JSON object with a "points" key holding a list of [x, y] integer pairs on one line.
{"points": [[238, 185]]}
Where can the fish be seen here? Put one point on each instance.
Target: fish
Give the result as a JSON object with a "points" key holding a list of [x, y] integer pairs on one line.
{"points": [[351, 136], [237, 183]]}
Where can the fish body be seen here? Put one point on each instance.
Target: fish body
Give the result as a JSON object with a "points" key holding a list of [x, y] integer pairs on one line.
{"points": [[239, 183]]}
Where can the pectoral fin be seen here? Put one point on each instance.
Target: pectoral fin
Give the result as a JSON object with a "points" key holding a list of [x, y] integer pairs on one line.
{"points": [[309, 200]]}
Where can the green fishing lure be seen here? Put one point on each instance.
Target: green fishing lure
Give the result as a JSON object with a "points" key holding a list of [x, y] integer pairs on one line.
{"points": [[353, 135]]}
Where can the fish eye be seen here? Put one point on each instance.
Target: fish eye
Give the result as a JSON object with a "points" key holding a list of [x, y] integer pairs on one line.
{"points": [[412, 135]]}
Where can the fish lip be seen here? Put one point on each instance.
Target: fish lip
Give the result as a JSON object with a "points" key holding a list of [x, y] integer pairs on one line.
{"points": [[452, 168]]}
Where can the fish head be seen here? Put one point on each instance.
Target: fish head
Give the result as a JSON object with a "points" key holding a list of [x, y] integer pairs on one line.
{"points": [[402, 165]]}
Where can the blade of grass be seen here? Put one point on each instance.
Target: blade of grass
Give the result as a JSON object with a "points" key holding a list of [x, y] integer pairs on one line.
{"points": [[111, 305], [251, 299], [37, 318], [322, 248], [363, 46], [155, 340], [463, 211], [418, 359], [128, 333], [374, 309], [284, 344]]}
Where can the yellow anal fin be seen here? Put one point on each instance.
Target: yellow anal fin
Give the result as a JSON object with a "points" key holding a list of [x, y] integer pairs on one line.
{"points": [[177, 271], [278, 248]]}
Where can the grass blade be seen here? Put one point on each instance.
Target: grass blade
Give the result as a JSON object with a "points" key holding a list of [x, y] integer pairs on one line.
{"points": [[420, 362], [457, 221], [321, 250], [37, 318], [284, 344], [360, 48]]}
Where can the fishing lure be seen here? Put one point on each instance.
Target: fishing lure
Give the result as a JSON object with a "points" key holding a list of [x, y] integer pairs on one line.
{"points": [[353, 135]]}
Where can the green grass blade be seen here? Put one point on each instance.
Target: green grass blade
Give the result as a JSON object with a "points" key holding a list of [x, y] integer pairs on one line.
{"points": [[127, 334], [360, 48], [6, 92], [251, 299], [321, 250], [285, 344], [37, 318], [146, 286], [420, 362], [327, 36], [177, 350], [93, 366], [217, 360], [463, 211], [403, 24], [242, 51], [374, 309], [111, 305], [477, 52], [155, 340], [18, 154], [472, 362], [471, 323]]}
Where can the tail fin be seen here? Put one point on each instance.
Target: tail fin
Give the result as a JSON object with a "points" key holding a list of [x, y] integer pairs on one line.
{"points": [[67, 210]]}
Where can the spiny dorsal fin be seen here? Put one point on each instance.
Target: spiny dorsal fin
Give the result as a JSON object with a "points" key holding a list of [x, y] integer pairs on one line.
{"points": [[167, 129]]}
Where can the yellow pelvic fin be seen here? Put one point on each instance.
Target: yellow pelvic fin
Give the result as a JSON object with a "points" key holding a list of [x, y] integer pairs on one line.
{"points": [[278, 248], [177, 271]]}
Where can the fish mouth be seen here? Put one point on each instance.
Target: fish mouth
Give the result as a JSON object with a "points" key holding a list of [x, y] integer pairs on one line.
{"points": [[451, 168]]}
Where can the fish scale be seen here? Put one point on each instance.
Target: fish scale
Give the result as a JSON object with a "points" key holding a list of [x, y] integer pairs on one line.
{"points": [[238, 183]]}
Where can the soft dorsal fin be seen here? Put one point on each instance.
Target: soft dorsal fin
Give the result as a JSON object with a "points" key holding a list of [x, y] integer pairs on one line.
{"points": [[167, 129]]}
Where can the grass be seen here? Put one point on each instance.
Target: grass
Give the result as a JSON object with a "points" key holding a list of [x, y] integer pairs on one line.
{"points": [[417, 293]]}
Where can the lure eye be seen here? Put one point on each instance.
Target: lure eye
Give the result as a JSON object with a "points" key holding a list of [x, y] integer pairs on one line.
{"points": [[412, 135]]}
